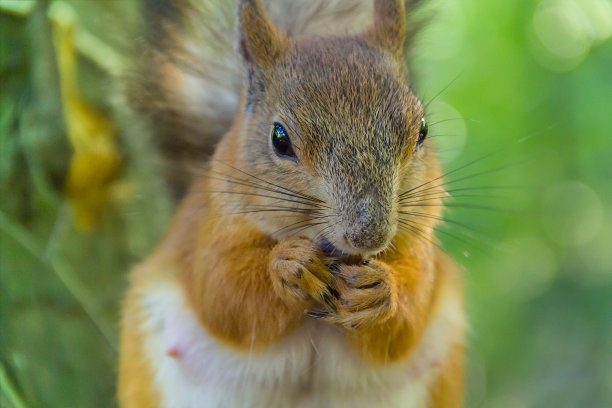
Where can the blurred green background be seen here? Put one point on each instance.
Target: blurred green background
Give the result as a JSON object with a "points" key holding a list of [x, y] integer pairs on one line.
{"points": [[521, 89]]}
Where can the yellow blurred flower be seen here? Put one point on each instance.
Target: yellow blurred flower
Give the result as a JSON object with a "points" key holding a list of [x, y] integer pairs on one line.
{"points": [[92, 136]]}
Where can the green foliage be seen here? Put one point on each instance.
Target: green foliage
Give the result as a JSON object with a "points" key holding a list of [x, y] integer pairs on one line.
{"points": [[539, 282], [525, 95]]}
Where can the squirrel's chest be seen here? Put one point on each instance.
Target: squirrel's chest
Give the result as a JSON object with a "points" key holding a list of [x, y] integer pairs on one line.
{"points": [[313, 367]]}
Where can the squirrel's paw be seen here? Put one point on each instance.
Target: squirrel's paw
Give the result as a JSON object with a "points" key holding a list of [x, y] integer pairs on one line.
{"points": [[300, 275], [365, 297]]}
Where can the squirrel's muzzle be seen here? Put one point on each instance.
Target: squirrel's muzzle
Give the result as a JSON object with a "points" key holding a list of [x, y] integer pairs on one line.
{"points": [[370, 227]]}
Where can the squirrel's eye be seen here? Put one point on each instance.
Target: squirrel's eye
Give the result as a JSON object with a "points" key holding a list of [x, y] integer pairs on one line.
{"points": [[422, 133], [281, 141]]}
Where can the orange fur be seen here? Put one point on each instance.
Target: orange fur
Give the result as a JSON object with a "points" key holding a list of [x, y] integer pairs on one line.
{"points": [[230, 269], [447, 391]]}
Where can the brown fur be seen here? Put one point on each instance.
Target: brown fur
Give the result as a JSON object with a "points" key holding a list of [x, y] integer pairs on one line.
{"points": [[244, 244]]}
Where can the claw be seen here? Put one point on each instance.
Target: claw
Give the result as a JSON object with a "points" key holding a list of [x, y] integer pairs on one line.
{"points": [[329, 302], [315, 315], [333, 268], [370, 286]]}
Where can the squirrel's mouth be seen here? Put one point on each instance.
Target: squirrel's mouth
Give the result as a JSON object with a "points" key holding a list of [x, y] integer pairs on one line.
{"points": [[331, 250]]}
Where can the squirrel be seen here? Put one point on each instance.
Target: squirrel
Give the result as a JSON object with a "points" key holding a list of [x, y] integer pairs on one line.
{"points": [[300, 268]]}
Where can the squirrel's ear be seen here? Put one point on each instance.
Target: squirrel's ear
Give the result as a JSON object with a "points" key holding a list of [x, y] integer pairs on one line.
{"points": [[389, 29], [259, 43]]}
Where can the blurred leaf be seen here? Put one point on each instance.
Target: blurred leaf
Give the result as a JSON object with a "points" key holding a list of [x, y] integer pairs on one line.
{"points": [[8, 392], [92, 136], [19, 7]]}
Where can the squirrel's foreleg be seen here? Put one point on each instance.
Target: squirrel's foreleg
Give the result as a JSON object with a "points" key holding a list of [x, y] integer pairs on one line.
{"points": [[253, 291]]}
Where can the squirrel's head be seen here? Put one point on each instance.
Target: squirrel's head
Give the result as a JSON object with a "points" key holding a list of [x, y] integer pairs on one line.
{"points": [[329, 134]]}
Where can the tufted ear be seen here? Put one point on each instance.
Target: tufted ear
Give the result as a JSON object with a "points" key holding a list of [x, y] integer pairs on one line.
{"points": [[259, 43], [389, 29]]}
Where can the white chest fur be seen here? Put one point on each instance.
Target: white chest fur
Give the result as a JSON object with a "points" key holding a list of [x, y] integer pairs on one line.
{"points": [[313, 367]]}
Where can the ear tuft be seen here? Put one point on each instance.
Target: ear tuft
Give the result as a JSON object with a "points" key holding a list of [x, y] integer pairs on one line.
{"points": [[389, 30], [259, 43]]}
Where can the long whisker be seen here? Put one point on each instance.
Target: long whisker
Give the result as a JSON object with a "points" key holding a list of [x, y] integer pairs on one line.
{"points": [[458, 238], [440, 218], [322, 232], [306, 227], [419, 233], [257, 195], [305, 196], [257, 186], [442, 184], [288, 210], [469, 232], [468, 206], [447, 194], [433, 198], [442, 90], [250, 183], [462, 178], [266, 208], [298, 223], [417, 188], [443, 121]]}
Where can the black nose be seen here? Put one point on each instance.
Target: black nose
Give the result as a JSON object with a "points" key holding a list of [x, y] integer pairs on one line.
{"points": [[370, 227]]}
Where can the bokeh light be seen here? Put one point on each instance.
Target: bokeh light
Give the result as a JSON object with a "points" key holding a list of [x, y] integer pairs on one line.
{"points": [[567, 29]]}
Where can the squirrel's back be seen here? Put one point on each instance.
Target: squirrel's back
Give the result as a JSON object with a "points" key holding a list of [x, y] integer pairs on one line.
{"points": [[186, 78]]}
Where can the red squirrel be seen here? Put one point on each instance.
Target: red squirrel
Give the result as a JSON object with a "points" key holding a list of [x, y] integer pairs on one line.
{"points": [[300, 268]]}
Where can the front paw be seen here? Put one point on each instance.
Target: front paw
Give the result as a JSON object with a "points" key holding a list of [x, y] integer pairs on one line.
{"points": [[366, 296], [300, 275]]}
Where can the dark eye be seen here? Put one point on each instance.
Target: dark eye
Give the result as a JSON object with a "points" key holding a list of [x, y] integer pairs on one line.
{"points": [[281, 141], [422, 133]]}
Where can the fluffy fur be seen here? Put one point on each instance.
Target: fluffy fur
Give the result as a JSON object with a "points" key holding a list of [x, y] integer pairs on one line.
{"points": [[343, 231]]}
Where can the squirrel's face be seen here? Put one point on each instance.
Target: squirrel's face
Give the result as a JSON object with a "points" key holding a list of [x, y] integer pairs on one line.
{"points": [[332, 125], [353, 125]]}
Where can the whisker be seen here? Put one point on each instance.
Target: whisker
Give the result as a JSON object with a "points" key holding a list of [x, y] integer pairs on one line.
{"points": [[391, 247], [288, 227], [442, 90], [443, 121], [279, 204], [258, 195], [458, 238], [305, 196], [257, 186], [420, 189], [480, 173], [321, 232], [475, 240], [468, 206], [289, 210], [446, 194], [426, 199], [448, 173], [440, 218], [306, 227], [419, 233]]}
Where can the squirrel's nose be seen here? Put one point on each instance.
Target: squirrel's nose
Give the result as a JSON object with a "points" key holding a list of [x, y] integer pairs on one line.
{"points": [[370, 228]]}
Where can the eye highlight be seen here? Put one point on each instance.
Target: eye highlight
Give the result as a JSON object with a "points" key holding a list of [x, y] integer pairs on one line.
{"points": [[422, 134], [281, 142]]}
